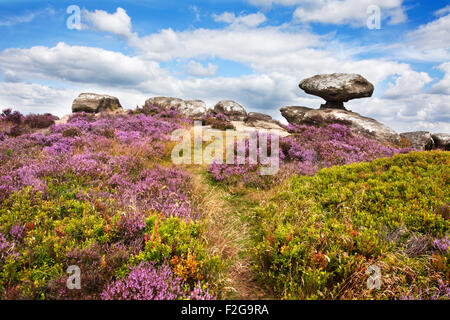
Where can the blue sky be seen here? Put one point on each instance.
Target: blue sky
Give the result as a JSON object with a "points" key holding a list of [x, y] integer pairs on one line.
{"points": [[252, 51]]}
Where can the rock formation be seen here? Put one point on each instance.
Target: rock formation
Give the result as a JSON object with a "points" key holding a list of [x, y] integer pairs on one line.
{"points": [[442, 141], [337, 88], [195, 109], [233, 110], [420, 140], [95, 103], [358, 124]]}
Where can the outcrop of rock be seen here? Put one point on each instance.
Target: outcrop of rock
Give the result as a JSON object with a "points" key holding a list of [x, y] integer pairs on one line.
{"points": [[358, 124], [95, 103], [337, 88], [255, 116], [233, 110], [190, 108], [442, 141], [420, 140], [259, 125], [195, 109]]}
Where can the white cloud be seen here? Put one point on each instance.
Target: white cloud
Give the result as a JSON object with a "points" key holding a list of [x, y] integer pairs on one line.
{"points": [[196, 69], [407, 84], [443, 11], [279, 56], [35, 98], [24, 18], [432, 36], [77, 64], [118, 23], [250, 20], [443, 86], [352, 12]]}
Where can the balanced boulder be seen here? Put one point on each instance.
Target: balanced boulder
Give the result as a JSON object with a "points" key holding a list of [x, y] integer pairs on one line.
{"points": [[95, 103], [358, 124], [233, 110], [337, 88], [420, 140]]}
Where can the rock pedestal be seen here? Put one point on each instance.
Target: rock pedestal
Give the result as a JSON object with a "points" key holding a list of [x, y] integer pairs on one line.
{"points": [[337, 88]]}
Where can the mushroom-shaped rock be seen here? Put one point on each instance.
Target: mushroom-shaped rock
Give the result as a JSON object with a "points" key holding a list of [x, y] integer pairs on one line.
{"points": [[442, 141], [337, 88], [95, 103], [358, 124], [231, 109], [420, 140]]}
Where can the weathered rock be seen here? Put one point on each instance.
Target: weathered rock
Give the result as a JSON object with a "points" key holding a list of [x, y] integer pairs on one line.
{"points": [[294, 114], [255, 116], [231, 109], [95, 103], [196, 109], [190, 108], [358, 124], [420, 140], [258, 125], [337, 88], [166, 103], [442, 141]]}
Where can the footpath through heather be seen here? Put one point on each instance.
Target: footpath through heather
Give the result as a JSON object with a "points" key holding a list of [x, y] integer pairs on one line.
{"points": [[228, 212]]}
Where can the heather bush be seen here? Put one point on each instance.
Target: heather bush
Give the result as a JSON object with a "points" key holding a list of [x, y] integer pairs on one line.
{"points": [[148, 282], [218, 121], [39, 121], [318, 235], [305, 152], [179, 243]]}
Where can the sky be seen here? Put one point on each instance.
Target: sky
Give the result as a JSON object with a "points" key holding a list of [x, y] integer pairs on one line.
{"points": [[252, 51]]}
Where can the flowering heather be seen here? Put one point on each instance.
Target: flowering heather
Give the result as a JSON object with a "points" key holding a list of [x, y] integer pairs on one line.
{"points": [[148, 282], [6, 250], [442, 244], [309, 149]]}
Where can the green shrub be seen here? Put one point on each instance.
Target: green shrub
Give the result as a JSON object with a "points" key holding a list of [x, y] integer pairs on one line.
{"points": [[318, 235]]}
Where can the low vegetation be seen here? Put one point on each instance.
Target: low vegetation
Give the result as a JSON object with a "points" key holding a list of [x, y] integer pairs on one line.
{"points": [[100, 192]]}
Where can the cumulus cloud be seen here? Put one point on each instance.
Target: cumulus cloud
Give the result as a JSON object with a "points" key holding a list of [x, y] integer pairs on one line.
{"points": [[443, 86], [35, 98], [77, 64], [118, 23], [430, 40], [407, 83], [353, 12], [279, 56], [196, 69]]}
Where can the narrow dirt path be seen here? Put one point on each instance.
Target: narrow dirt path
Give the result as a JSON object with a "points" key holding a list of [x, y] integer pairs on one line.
{"points": [[228, 236]]}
